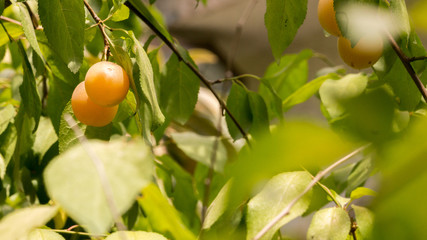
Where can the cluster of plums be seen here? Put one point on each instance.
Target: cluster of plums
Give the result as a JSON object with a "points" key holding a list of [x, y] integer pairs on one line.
{"points": [[95, 101], [364, 54]]}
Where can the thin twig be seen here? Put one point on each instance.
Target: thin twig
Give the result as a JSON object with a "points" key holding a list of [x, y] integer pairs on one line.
{"points": [[238, 34], [77, 233], [316, 179], [202, 78], [100, 168], [236, 78], [413, 59], [6, 19], [407, 63], [208, 180], [101, 26]]}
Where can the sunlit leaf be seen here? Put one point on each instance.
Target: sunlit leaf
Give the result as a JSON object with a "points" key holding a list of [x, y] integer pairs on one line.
{"points": [[329, 223], [6, 115], [303, 93], [274, 197], [201, 148], [135, 235], [22, 221], [43, 234], [14, 30], [73, 181], [361, 192], [28, 28], [162, 216], [364, 220], [45, 137], [63, 23]]}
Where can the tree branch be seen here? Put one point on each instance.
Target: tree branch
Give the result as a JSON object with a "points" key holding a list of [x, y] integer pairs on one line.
{"points": [[407, 63], [101, 26], [316, 179], [202, 78]]}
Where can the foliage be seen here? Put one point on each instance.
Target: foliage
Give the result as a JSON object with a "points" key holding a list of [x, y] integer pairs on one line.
{"points": [[170, 167]]}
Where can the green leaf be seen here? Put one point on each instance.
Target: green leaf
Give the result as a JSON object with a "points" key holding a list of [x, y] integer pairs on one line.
{"points": [[359, 174], [361, 192], [6, 115], [329, 223], [239, 106], [401, 17], [400, 81], [64, 22], [364, 220], [28, 27], [398, 210], [8, 140], [290, 146], [146, 87], [179, 188], [57, 66], [30, 98], [218, 207], [274, 197], [281, 80], [282, 19], [303, 93], [135, 235], [45, 137], [121, 14], [179, 89], [43, 234], [162, 216], [201, 148], [14, 30], [334, 93], [21, 222], [259, 112], [73, 181]]}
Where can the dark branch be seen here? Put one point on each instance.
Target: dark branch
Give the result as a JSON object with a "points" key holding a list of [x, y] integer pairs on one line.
{"points": [[413, 59], [407, 63], [101, 26], [202, 78]]}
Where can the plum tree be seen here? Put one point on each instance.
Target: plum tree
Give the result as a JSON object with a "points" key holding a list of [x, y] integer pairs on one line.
{"points": [[106, 83], [88, 112]]}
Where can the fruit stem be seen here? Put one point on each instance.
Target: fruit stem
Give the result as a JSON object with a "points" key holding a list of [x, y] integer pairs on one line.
{"points": [[101, 26]]}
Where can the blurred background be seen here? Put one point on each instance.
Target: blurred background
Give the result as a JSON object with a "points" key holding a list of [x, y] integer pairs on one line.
{"points": [[213, 27]]}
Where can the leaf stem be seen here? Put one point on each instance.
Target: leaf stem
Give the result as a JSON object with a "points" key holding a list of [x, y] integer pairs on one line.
{"points": [[101, 26], [202, 78], [407, 63], [413, 59], [316, 179], [6, 19]]}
